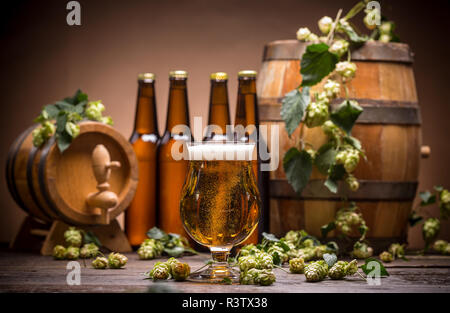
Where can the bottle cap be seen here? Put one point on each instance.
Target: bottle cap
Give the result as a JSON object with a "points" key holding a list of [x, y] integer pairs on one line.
{"points": [[219, 76], [146, 76], [247, 73], [178, 74]]}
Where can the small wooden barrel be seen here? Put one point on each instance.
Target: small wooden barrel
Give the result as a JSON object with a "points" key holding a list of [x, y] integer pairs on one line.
{"points": [[50, 185], [389, 129]]}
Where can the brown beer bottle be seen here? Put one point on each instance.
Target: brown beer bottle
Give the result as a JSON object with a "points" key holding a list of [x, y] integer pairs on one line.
{"points": [[141, 214], [219, 112], [172, 172], [247, 114]]}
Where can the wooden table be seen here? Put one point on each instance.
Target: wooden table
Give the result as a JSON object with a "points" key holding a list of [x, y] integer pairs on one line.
{"points": [[21, 272]]}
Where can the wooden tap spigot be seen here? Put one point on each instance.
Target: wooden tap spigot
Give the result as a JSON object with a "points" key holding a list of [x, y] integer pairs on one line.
{"points": [[103, 199]]}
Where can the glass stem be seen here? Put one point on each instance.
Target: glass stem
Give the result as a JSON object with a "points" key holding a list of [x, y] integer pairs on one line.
{"points": [[220, 257]]}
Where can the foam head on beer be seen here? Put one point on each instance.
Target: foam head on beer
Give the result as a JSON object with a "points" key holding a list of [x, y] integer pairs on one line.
{"points": [[211, 151]]}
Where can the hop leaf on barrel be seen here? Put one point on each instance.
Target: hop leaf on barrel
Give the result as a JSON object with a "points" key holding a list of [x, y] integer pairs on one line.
{"points": [[100, 263], [59, 252], [73, 237], [117, 260]]}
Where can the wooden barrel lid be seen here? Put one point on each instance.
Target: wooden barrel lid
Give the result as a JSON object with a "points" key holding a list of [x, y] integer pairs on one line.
{"points": [[370, 51], [66, 179]]}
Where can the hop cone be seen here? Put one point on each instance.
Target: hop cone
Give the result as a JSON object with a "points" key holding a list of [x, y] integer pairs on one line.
{"points": [[297, 265], [431, 229], [386, 256], [180, 271], [338, 270], [73, 237], [72, 253], [89, 250], [100, 263], [316, 271], [59, 252], [117, 260], [160, 271], [146, 252], [247, 262]]}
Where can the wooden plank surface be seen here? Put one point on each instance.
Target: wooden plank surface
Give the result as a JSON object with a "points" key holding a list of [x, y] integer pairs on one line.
{"points": [[21, 272]]}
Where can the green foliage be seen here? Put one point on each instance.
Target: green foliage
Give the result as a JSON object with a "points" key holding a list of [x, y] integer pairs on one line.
{"points": [[293, 108], [317, 62], [346, 115], [298, 167]]}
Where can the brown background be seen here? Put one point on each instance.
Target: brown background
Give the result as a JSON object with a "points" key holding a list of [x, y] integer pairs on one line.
{"points": [[43, 59]]}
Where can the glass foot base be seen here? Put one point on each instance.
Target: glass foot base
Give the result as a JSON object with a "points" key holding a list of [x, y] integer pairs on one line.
{"points": [[216, 275]]}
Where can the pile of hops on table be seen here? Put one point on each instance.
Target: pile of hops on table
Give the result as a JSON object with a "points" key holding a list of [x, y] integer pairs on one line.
{"points": [[74, 241], [172, 268]]}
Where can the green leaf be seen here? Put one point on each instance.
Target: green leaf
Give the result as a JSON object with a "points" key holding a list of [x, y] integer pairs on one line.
{"points": [[270, 237], [51, 110], [414, 219], [227, 281], [79, 108], [330, 259], [336, 173], [332, 246], [175, 251], [355, 143], [89, 237], [317, 62], [293, 108], [316, 241], [284, 245], [325, 157], [427, 198], [346, 115], [438, 188], [65, 106], [156, 233], [325, 229], [383, 272], [298, 167], [276, 258], [63, 141]]}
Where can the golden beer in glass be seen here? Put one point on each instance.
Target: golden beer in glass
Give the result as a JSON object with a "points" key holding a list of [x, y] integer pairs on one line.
{"points": [[220, 202]]}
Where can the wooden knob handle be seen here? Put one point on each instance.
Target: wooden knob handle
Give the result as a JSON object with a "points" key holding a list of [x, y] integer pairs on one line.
{"points": [[425, 152]]}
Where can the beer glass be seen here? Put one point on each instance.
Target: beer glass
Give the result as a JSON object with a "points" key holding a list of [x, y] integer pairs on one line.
{"points": [[220, 202]]}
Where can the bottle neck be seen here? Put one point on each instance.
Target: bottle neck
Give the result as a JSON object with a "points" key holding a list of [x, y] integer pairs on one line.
{"points": [[247, 103], [177, 111], [146, 119], [219, 113]]}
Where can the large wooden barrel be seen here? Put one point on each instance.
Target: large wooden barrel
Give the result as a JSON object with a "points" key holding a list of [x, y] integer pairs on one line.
{"points": [[50, 185], [389, 129]]}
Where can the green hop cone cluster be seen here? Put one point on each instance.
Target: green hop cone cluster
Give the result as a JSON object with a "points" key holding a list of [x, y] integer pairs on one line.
{"points": [[277, 249], [331, 89], [339, 47], [253, 276], [347, 219], [442, 247], [100, 263], [352, 182], [94, 111], [316, 113], [259, 260], [325, 24], [297, 265], [304, 34], [117, 260], [444, 203], [346, 70], [172, 268], [89, 250], [43, 133], [293, 236], [59, 252], [349, 157], [73, 237], [430, 229], [361, 250], [386, 256], [397, 250], [150, 249], [341, 269], [316, 271], [72, 253]]}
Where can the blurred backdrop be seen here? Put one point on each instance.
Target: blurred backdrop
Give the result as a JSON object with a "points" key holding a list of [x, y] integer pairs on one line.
{"points": [[43, 60]]}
